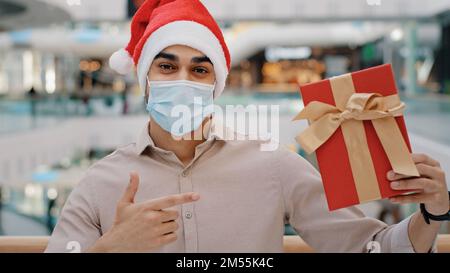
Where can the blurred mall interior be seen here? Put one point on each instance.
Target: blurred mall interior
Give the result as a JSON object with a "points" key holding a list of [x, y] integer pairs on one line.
{"points": [[62, 107]]}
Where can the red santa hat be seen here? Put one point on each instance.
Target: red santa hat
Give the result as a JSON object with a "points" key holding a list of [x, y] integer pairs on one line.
{"points": [[161, 23]]}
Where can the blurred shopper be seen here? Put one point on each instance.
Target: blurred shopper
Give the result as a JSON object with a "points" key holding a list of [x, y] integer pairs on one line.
{"points": [[125, 106], [85, 99], [50, 205], [389, 209], [129, 83], [215, 193], [33, 98]]}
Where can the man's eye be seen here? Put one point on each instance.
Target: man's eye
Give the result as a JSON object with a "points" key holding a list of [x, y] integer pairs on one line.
{"points": [[200, 70], [166, 66]]}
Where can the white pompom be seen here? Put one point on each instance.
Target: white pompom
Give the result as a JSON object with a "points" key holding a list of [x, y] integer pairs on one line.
{"points": [[121, 61]]}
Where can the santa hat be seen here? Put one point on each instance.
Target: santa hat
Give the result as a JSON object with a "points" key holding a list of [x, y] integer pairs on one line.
{"points": [[161, 23]]}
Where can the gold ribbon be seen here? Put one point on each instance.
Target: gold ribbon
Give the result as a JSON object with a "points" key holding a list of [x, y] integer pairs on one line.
{"points": [[349, 113]]}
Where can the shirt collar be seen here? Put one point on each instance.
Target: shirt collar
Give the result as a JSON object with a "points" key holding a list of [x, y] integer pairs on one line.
{"points": [[144, 140], [215, 131]]}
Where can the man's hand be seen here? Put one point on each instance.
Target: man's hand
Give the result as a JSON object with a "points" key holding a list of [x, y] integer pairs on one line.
{"points": [[144, 226], [430, 188]]}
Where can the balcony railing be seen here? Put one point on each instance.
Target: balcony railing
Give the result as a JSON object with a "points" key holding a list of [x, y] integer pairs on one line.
{"points": [[291, 244]]}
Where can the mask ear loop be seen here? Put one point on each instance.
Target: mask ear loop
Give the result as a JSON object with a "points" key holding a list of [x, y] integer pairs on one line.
{"points": [[214, 90], [147, 88], [214, 98]]}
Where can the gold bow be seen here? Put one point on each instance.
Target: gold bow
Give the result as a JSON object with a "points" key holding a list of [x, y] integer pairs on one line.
{"points": [[349, 113], [326, 118]]}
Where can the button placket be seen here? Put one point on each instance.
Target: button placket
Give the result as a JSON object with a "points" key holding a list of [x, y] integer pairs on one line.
{"points": [[187, 212]]}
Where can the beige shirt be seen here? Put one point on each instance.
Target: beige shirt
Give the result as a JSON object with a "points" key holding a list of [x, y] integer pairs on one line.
{"points": [[246, 197]]}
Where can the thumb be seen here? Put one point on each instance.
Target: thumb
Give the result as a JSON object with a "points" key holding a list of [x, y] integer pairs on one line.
{"points": [[130, 192]]}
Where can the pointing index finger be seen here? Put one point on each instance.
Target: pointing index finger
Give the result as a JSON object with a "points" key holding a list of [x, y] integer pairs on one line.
{"points": [[172, 200]]}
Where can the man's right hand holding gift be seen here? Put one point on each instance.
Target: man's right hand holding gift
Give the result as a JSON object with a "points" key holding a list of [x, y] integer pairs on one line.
{"points": [[431, 190]]}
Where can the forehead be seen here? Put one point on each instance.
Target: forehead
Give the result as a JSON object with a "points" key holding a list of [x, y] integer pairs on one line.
{"points": [[183, 51]]}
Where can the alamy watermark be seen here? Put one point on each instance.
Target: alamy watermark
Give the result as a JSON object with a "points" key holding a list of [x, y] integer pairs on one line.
{"points": [[373, 2], [231, 122]]}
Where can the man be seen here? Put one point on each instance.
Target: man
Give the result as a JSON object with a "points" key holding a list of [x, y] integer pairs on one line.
{"points": [[211, 194]]}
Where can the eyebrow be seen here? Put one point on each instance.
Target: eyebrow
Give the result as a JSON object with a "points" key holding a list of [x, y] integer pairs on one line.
{"points": [[168, 56], [201, 59], [173, 57]]}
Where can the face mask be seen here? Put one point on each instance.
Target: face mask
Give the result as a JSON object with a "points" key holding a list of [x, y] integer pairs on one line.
{"points": [[179, 107]]}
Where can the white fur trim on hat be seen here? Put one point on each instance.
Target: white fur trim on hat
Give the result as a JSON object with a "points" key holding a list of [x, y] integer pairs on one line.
{"points": [[187, 33], [121, 61]]}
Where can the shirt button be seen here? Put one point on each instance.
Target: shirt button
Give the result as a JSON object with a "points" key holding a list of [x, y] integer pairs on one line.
{"points": [[184, 173], [188, 215]]}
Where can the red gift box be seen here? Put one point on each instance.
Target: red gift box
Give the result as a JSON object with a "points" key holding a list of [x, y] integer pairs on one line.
{"points": [[336, 155]]}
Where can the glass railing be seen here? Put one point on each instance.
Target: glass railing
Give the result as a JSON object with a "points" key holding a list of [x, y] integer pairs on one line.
{"points": [[427, 116]]}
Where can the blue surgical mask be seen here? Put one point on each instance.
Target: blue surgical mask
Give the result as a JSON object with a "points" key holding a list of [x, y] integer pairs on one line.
{"points": [[180, 107]]}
